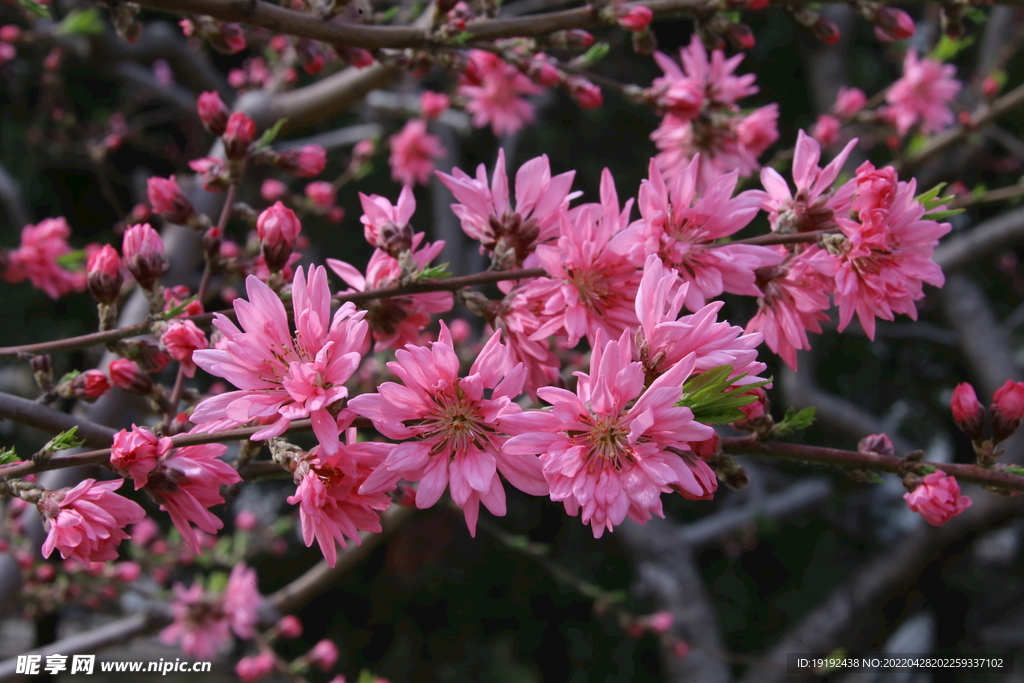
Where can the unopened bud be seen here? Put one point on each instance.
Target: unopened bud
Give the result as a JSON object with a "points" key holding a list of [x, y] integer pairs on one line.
{"points": [[213, 112], [168, 200], [1007, 409], [42, 370], [586, 94], [826, 31], [89, 385], [127, 376], [144, 254], [308, 161], [636, 18], [238, 135], [968, 413], [741, 37], [893, 24], [277, 227], [104, 275]]}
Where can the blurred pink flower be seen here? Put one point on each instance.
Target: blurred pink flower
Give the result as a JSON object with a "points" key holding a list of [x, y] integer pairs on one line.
{"points": [[495, 90], [413, 151], [922, 95], [37, 259]]}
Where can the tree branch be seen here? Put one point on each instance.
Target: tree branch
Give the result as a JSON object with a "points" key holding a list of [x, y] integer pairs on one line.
{"points": [[43, 417], [983, 241]]}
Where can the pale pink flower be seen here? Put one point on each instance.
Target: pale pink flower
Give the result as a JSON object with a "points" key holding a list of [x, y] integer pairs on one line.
{"points": [[242, 600], [700, 80], [826, 130], [331, 507], [433, 104], [511, 233], [255, 668], [937, 498], [181, 338], [395, 321], [135, 453], [37, 259], [849, 102], [413, 151], [283, 376], [605, 449], [495, 90], [682, 229], [922, 95], [518, 315], [186, 482], [324, 655], [203, 621], [383, 221], [87, 522], [590, 286], [453, 429], [665, 339]]}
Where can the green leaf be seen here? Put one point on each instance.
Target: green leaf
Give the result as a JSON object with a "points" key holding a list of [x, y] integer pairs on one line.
{"points": [[217, 582], [86, 22], [63, 441], [939, 215], [1013, 469], [948, 48], [365, 676], [931, 194], [795, 421], [270, 134], [460, 39], [8, 455], [596, 53], [73, 260], [713, 398], [433, 273], [35, 8], [179, 309], [916, 143]]}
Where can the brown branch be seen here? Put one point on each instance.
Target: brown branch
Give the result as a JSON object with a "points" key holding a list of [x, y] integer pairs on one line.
{"points": [[447, 284], [983, 241], [776, 238], [37, 415]]}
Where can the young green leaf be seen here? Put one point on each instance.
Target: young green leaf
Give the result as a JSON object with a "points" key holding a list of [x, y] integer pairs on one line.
{"points": [[794, 421], [270, 134], [8, 455]]}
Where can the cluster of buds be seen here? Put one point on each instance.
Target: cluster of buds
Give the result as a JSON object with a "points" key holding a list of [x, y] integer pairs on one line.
{"points": [[986, 429]]}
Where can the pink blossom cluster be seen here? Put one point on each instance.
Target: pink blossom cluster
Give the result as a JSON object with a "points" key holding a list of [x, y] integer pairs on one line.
{"points": [[38, 258], [204, 620]]}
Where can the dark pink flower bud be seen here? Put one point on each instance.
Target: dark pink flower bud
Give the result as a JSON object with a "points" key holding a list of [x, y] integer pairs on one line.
{"points": [[277, 227], [757, 4], [937, 498], [849, 102], [104, 273], [1007, 409], [636, 18], [89, 385], [826, 31], [126, 375], [252, 669], [707, 448], [213, 112], [144, 254], [893, 24], [228, 39], [758, 408], [273, 190], [321, 193], [168, 200], [968, 413], [741, 37], [289, 627], [990, 87], [10, 33], [543, 71], [878, 444], [576, 38], [238, 135], [433, 104], [586, 94], [146, 353], [308, 161], [135, 453], [181, 339], [324, 655]]}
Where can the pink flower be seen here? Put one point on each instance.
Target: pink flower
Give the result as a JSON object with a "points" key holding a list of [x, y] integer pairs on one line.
{"points": [[290, 626], [324, 655], [922, 95], [168, 200], [186, 482], [203, 621], [239, 133], [682, 230], [273, 190], [144, 254], [395, 321], [281, 376], [104, 275], [453, 427], [511, 233], [181, 339], [87, 522], [413, 151], [586, 94], [660, 622], [213, 174], [433, 104], [937, 498], [278, 227], [849, 102], [246, 520], [135, 453], [968, 413], [665, 339], [242, 600], [893, 24], [331, 506], [605, 454], [308, 161], [255, 668], [126, 375], [89, 385], [321, 193], [213, 112], [826, 130], [636, 18], [700, 80], [1007, 409], [386, 226], [495, 90], [591, 286], [37, 259]]}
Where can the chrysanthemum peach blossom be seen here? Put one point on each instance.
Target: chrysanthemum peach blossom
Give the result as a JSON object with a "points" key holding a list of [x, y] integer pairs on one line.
{"points": [[922, 95], [283, 376], [605, 449], [37, 259], [413, 151], [495, 90], [453, 425], [203, 621], [937, 498], [381, 218], [518, 315], [511, 233], [681, 228], [700, 80], [87, 522]]}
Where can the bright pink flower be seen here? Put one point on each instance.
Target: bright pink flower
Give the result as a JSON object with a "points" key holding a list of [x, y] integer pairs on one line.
{"points": [[321, 193], [666, 339], [238, 135], [511, 233], [518, 315], [826, 130], [9, 33], [814, 205], [606, 454], [186, 482], [168, 200], [433, 104], [273, 190], [104, 274], [213, 112], [636, 18], [968, 413], [495, 90], [660, 622], [324, 655], [395, 321], [89, 385], [181, 338], [331, 506], [849, 102], [278, 227], [281, 376], [144, 254], [453, 427], [308, 161], [126, 375], [135, 453], [1007, 409], [590, 286], [586, 94], [937, 498], [386, 226], [87, 522], [700, 80], [922, 95], [682, 230], [289, 626], [36, 259], [255, 668], [242, 600], [413, 151]]}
